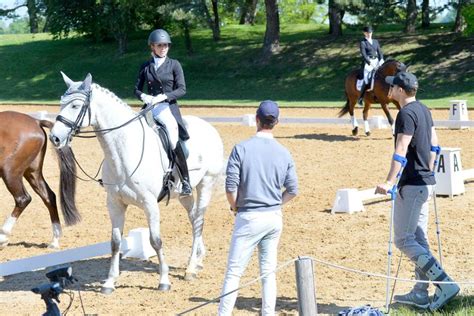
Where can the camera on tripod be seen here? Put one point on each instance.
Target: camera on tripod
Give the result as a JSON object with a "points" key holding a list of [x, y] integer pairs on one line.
{"points": [[59, 279]]}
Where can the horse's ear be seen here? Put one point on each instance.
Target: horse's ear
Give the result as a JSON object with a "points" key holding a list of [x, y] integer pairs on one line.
{"points": [[86, 84], [67, 80]]}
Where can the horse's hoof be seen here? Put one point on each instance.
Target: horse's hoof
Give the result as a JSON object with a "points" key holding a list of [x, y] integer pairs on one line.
{"points": [[53, 246], [367, 133], [107, 290], [164, 287], [189, 276], [355, 131]]}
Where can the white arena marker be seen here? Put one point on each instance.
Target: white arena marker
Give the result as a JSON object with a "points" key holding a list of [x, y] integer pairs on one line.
{"points": [[458, 112], [249, 120], [378, 122], [449, 173], [135, 245], [347, 201]]}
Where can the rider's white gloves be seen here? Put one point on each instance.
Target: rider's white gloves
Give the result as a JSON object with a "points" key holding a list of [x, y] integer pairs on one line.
{"points": [[381, 61], [146, 98], [152, 100], [159, 98]]}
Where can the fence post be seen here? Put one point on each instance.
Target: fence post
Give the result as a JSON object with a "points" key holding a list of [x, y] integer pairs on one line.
{"points": [[305, 287]]}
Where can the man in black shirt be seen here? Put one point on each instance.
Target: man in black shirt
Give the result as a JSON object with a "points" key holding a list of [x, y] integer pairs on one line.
{"points": [[415, 137]]}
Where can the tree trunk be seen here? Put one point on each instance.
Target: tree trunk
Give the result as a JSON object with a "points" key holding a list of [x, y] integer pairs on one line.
{"points": [[271, 42], [33, 15], [213, 23], [425, 14], [335, 18], [122, 40], [459, 22], [410, 25], [187, 38], [248, 11], [216, 30]]}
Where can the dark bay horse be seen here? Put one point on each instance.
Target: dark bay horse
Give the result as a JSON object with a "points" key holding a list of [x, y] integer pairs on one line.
{"points": [[379, 94], [23, 144]]}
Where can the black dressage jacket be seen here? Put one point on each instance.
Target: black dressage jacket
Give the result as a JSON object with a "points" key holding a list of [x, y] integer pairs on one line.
{"points": [[370, 51], [167, 79]]}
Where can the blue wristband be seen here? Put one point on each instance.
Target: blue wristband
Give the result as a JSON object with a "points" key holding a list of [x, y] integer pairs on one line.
{"points": [[402, 160], [436, 149]]}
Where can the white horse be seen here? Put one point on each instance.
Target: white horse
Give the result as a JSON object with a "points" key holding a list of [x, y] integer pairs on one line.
{"points": [[134, 165]]}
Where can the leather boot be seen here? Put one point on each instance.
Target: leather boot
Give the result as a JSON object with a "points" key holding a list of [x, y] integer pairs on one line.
{"points": [[183, 169], [362, 92], [432, 269]]}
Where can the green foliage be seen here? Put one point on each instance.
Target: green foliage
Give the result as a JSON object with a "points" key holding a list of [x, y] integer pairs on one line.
{"points": [[19, 26], [296, 11], [468, 14], [309, 71]]}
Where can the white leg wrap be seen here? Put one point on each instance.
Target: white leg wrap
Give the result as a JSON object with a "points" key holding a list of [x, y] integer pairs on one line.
{"points": [[366, 126], [57, 233], [8, 225], [354, 122]]}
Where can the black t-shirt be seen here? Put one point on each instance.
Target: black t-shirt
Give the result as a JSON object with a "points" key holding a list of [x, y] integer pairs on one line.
{"points": [[415, 119]]}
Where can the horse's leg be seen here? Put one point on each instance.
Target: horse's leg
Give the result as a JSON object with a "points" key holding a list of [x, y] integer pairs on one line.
{"points": [[15, 186], [117, 216], [355, 125], [389, 116], [152, 212], [365, 115], [196, 213], [41, 187]]}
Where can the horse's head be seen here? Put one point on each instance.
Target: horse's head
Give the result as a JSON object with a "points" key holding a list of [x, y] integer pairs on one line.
{"points": [[391, 67], [75, 106]]}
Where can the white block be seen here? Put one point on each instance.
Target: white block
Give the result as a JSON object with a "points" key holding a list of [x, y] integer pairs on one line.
{"points": [[137, 244], [347, 201], [249, 120], [458, 112], [378, 122], [449, 174]]}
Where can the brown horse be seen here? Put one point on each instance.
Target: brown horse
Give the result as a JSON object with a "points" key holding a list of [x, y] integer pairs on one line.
{"points": [[379, 94], [22, 148]]}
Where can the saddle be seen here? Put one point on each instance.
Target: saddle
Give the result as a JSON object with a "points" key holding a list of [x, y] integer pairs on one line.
{"points": [[168, 178]]}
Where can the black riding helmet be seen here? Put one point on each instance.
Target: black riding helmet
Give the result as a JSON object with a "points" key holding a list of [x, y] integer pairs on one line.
{"points": [[159, 36]]}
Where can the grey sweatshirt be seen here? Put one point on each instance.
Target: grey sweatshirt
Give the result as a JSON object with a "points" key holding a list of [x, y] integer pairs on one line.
{"points": [[258, 169]]}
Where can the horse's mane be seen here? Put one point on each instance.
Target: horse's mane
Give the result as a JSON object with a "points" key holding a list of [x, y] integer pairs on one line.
{"points": [[112, 95]]}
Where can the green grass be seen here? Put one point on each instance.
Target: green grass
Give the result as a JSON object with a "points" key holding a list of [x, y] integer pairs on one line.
{"points": [[309, 70], [461, 305]]}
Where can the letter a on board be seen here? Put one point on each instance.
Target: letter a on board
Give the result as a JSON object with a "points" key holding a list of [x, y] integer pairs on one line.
{"points": [[441, 164], [456, 164]]}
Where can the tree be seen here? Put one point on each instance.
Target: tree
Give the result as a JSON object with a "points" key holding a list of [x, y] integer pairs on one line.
{"points": [[336, 13], [425, 14], [248, 10], [459, 21], [468, 14], [35, 9], [271, 41], [412, 12], [213, 22]]}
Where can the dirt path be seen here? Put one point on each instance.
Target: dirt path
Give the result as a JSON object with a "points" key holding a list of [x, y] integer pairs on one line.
{"points": [[327, 159]]}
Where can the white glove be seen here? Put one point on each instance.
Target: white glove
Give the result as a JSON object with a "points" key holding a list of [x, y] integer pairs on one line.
{"points": [[159, 98], [147, 99]]}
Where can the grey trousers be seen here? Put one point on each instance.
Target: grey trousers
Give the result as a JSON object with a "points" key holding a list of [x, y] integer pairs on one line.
{"points": [[410, 224]]}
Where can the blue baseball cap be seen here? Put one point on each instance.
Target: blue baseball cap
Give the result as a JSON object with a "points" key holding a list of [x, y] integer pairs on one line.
{"points": [[268, 108]]}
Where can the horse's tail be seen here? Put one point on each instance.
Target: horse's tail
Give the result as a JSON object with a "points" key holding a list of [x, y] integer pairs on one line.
{"points": [[345, 109], [67, 183]]}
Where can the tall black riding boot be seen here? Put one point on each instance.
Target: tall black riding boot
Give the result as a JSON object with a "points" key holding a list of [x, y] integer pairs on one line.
{"points": [[183, 169], [362, 92]]}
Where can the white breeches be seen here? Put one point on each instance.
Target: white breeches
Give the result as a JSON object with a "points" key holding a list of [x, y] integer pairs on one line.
{"points": [[162, 113]]}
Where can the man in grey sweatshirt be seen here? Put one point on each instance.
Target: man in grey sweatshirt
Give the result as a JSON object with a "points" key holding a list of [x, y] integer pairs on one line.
{"points": [[257, 171]]}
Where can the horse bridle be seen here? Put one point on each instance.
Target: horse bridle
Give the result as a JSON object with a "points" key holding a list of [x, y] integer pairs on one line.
{"points": [[69, 98]]}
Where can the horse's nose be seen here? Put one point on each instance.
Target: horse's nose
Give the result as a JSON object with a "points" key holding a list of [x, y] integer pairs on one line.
{"points": [[54, 139]]}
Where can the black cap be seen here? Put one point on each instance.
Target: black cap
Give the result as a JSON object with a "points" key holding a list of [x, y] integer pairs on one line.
{"points": [[406, 80], [368, 29]]}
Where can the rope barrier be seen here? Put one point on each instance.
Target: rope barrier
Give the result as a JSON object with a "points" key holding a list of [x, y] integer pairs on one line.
{"points": [[239, 288], [326, 263]]}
